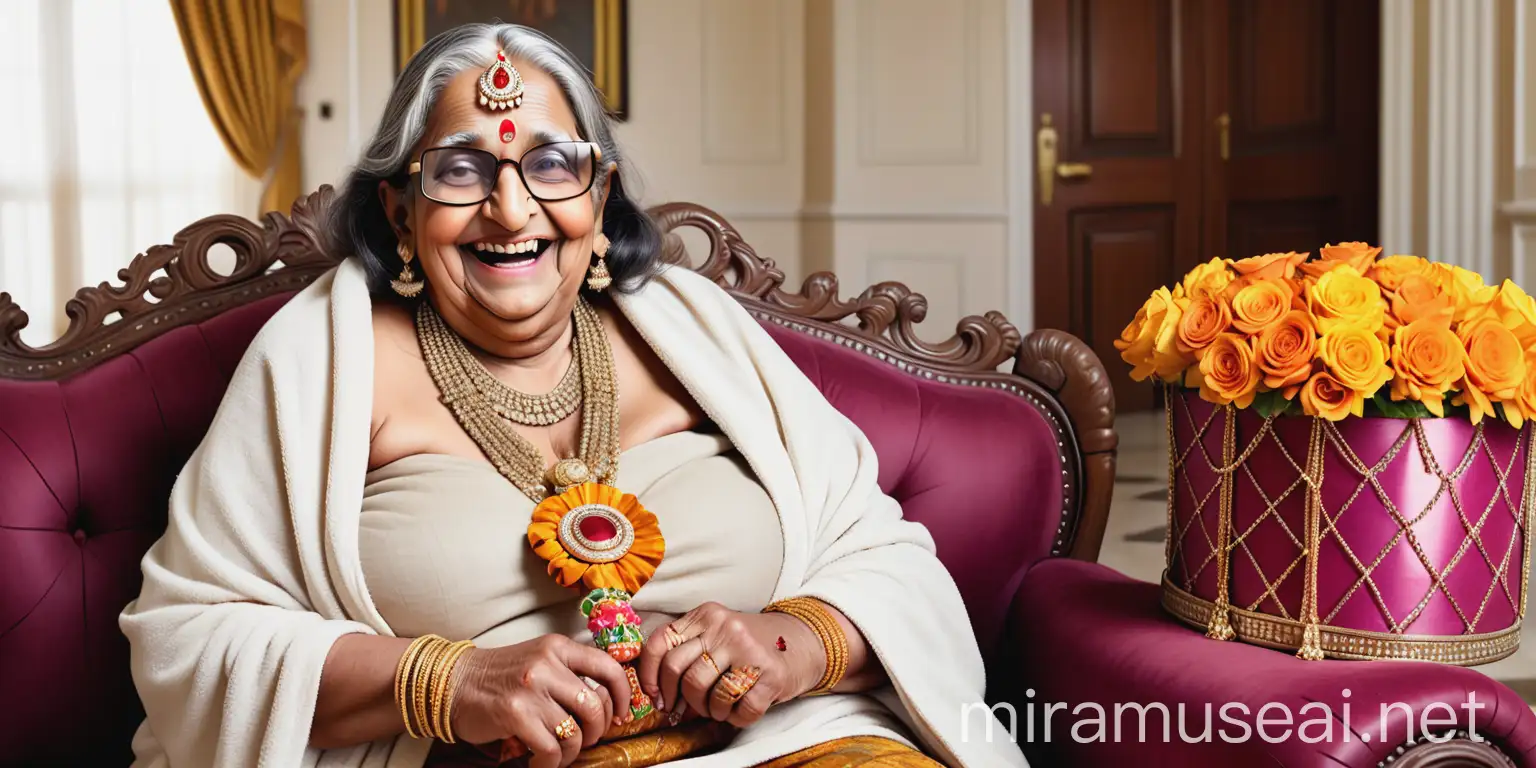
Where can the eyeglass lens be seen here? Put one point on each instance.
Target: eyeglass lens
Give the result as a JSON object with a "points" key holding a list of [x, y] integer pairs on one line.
{"points": [[465, 175]]}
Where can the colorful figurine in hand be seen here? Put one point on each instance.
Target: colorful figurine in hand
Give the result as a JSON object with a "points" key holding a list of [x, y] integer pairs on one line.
{"points": [[615, 628]]}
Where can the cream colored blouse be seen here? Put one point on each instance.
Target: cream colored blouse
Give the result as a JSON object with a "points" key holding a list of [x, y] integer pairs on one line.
{"points": [[444, 543]]}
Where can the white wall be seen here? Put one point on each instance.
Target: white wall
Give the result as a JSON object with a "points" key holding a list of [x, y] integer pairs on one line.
{"points": [[863, 136]]}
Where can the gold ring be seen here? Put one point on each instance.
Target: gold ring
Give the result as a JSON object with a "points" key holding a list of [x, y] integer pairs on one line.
{"points": [[735, 683], [706, 657], [566, 729]]}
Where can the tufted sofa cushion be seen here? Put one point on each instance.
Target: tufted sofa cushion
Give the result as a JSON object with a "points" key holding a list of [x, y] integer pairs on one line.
{"points": [[87, 464]]}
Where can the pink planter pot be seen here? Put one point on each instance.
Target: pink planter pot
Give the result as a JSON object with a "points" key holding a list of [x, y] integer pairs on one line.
{"points": [[1420, 530]]}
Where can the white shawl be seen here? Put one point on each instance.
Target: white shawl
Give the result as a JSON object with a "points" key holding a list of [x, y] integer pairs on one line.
{"points": [[258, 572]]}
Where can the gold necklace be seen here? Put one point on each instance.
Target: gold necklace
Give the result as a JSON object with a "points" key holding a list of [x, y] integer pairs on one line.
{"points": [[460, 378]]}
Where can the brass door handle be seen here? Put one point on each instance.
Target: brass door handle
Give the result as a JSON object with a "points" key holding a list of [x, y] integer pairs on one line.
{"points": [[1045, 158], [1046, 166], [1224, 127]]}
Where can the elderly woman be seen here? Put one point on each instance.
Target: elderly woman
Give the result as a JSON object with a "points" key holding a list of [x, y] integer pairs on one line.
{"points": [[425, 519]]}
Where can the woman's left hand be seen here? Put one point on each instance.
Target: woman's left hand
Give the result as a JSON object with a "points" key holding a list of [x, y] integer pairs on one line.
{"points": [[707, 655]]}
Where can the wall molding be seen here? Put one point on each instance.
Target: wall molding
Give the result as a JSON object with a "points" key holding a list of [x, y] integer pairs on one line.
{"points": [[1020, 267], [1463, 183], [1397, 146], [966, 148], [775, 152]]}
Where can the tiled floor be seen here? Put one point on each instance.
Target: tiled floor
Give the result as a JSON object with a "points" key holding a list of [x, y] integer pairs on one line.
{"points": [[1133, 542]]}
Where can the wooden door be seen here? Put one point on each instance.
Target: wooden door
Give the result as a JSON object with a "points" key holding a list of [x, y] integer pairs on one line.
{"points": [[1295, 85], [1117, 87]]}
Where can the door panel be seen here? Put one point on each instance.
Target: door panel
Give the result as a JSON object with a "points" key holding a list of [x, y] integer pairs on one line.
{"points": [[1120, 94], [1297, 80]]}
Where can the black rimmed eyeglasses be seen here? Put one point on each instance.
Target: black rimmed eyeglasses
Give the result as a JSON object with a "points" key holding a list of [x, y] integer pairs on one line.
{"points": [[550, 172]]}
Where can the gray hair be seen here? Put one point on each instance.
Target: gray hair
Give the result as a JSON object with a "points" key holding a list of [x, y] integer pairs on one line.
{"points": [[359, 224]]}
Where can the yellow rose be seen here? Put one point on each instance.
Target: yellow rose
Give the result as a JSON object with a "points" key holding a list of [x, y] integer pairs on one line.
{"points": [[1345, 297], [1323, 396], [1467, 291], [1285, 350], [1419, 298], [1357, 255], [1516, 310], [1208, 279], [1270, 265], [1427, 360], [1389, 272], [1227, 373], [1260, 304], [1149, 343], [1356, 358], [1495, 365], [1203, 319]]}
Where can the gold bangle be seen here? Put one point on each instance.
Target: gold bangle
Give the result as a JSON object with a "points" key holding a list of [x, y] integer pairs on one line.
{"points": [[833, 640], [403, 681], [442, 702], [423, 687]]}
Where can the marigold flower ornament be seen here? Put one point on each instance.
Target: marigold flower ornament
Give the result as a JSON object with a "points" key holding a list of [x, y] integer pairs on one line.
{"points": [[597, 536]]}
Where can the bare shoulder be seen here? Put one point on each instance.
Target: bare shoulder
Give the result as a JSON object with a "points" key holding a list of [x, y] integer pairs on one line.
{"points": [[402, 388]]}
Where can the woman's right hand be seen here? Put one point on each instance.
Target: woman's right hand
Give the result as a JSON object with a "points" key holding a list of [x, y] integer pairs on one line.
{"points": [[526, 690]]}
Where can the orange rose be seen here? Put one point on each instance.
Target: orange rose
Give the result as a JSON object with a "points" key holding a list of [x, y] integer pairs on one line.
{"points": [[1227, 373], [1284, 351], [1204, 318], [1149, 343], [1208, 279], [1325, 397], [1516, 311], [1345, 297], [1420, 298], [1427, 360], [1356, 358], [1260, 304], [1466, 288], [1357, 255], [1389, 272], [1523, 407], [1270, 265], [1495, 366]]}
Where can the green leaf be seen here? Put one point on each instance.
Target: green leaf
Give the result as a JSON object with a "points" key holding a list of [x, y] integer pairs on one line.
{"points": [[1272, 403], [1400, 409]]}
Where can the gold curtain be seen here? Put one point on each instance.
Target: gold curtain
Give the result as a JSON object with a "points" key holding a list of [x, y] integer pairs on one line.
{"points": [[247, 56]]}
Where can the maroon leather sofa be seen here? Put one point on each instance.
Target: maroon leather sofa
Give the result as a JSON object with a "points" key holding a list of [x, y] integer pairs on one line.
{"points": [[1012, 472]]}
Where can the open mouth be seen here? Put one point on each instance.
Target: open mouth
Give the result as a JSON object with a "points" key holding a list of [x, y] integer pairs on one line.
{"points": [[508, 254]]}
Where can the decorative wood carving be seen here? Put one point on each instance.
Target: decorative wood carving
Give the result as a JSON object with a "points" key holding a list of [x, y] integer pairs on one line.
{"points": [[173, 285], [1459, 752]]}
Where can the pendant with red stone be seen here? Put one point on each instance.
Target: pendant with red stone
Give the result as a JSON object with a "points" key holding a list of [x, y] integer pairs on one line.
{"points": [[501, 86], [508, 131]]}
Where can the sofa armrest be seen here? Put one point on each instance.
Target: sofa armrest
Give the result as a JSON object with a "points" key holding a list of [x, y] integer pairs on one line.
{"points": [[1092, 657]]}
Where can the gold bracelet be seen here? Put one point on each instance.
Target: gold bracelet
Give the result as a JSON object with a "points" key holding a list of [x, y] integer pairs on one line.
{"points": [[423, 688], [833, 640], [403, 681], [442, 703]]}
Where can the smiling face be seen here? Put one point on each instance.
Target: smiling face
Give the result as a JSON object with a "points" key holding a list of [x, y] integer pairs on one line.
{"points": [[506, 271]]}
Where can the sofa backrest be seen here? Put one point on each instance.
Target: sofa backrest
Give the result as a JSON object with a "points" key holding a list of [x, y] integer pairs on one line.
{"points": [[94, 429]]}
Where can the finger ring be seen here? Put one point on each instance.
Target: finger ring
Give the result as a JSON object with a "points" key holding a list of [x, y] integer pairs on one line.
{"points": [[711, 661], [735, 683], [581, 697], [566, 729]]}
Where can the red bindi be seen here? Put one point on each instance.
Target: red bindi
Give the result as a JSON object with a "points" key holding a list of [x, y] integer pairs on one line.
{"points": [[508, 131]]}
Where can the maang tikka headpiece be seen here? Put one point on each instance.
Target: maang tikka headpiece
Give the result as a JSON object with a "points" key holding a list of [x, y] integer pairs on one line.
{"points": [[501, 87]]}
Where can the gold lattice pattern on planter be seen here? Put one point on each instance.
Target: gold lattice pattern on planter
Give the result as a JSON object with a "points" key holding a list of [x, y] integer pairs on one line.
{"points": [[1311, 632]]}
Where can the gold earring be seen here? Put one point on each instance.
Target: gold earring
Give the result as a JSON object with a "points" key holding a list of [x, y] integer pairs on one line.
{"points": [[598, 278], [408, 286]]}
